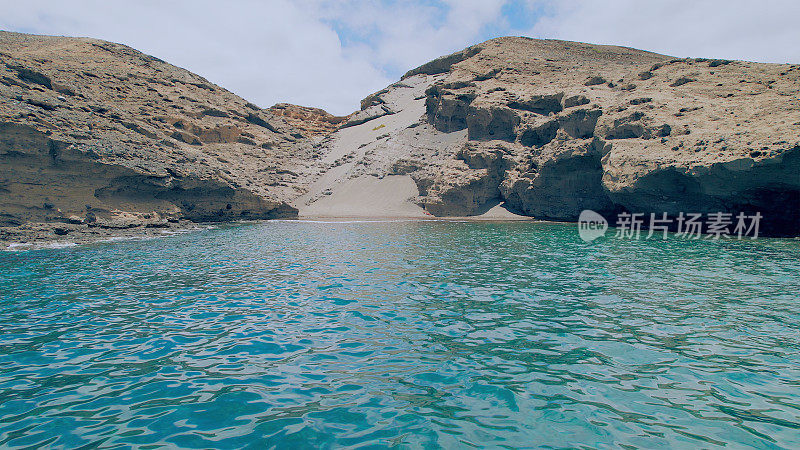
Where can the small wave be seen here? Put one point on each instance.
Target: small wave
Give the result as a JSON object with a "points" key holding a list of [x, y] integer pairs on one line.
{"points": [[17, 246], [57, 244], [118, 239]]}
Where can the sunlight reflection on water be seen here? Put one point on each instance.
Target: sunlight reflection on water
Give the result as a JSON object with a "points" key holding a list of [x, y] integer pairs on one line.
{"points": [[304, 334]]}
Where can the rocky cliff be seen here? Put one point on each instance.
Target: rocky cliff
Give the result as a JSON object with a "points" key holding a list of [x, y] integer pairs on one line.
{"points": [[309, 121], [98, 133], [549, 128]]}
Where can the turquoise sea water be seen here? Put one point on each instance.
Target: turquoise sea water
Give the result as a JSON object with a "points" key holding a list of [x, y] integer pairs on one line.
{"points": [[408, 334]]}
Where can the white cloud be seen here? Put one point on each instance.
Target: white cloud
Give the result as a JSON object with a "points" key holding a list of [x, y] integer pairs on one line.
{"points": [[276, 50], [331, 53], [265, 52], [763, 30], [404, 35]]}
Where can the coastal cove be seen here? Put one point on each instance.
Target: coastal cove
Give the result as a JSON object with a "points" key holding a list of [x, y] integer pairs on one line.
{"points": [[511, 241], [38, 236], [97, 136], [401, 333]]}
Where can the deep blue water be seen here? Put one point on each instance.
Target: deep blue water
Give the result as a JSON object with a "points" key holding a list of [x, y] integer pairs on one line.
{"points": [[408, 334]]}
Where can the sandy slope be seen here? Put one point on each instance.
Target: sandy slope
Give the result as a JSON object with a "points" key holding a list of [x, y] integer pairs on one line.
{"points": [[368, 196], [347, 187], [355, 180]]}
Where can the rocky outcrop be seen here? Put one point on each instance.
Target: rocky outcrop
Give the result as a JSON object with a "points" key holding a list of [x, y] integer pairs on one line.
{"points": [[467, 185], [367, 114], [443, 64], [551, 128], [560, 181], [47, 180], [308, 121], [95, 131]]}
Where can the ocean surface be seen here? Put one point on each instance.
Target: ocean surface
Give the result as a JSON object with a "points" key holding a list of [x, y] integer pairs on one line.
{"points": [[401, 334]]}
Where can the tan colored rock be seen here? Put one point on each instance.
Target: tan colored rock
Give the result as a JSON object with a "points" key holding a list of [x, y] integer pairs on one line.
{"points": [[89, 127], [547, 128], [309, 121], [576, 126]]}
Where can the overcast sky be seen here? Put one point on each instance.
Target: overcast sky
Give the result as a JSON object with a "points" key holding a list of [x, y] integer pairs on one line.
{"points": [[330, 54]]}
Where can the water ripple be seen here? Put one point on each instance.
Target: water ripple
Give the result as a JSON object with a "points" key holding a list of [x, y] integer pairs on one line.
{"points": [[412, 334]]}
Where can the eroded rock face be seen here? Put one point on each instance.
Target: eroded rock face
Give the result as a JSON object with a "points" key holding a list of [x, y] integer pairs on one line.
{"points": [[365, 115], [560, 181], [447, 109], [309, 121], [95, 130], [466, 185], [553, 127], [769, 186], [46, 180]]}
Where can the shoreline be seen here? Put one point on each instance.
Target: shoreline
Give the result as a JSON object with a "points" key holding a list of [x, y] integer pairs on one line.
{"points": [[55, 235], [41, 236]]}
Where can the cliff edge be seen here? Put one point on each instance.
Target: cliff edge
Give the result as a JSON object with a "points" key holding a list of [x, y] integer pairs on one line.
{"points": [[97, 134], [549, 128]]}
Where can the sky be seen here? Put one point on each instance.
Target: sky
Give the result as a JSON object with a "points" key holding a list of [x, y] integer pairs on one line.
{"points": [[331, 54]]}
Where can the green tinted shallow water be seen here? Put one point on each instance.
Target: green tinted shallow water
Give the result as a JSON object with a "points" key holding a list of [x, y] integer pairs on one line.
{"points": [[418, 334]]}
